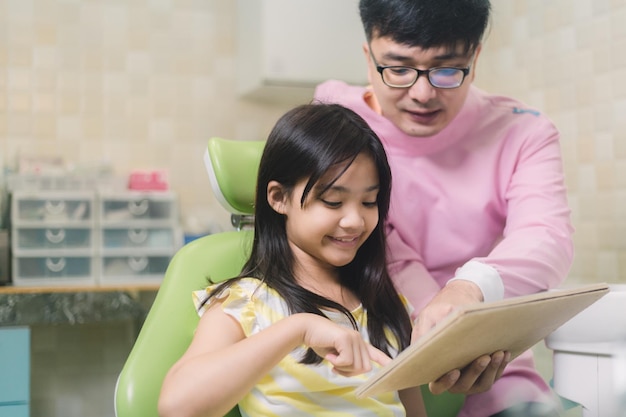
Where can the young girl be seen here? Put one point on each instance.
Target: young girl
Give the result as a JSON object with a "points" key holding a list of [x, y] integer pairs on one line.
{"points": [[313, 312]]}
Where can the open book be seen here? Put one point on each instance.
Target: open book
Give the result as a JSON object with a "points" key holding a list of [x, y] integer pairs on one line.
{"points": [[514, 325]]}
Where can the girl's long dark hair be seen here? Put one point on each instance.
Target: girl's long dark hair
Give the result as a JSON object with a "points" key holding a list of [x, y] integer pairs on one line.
{"points": [[305, 143]]}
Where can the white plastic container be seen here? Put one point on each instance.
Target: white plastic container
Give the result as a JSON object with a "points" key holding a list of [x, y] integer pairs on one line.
{"points": [[589, 362]]}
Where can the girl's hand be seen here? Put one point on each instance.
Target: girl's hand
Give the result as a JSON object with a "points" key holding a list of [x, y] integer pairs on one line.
{"points": [[343, 347]]}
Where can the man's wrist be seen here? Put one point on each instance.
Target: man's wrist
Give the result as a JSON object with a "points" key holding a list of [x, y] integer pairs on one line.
{"points": [[467, 287], [484, 276]]}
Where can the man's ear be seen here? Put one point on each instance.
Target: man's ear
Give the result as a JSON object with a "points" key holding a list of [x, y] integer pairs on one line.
{"points": [[277, 197]]}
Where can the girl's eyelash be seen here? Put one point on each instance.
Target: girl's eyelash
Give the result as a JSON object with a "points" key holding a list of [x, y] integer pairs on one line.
{"points": [[335, 204], [331, 203]]}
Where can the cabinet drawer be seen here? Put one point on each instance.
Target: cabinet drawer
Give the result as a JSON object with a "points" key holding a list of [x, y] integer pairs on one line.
{"points": [[125, 269], [14, 410], [35, 238], [52, 208], [148, 238], [49, 270], [14, 366], [137, 207]]}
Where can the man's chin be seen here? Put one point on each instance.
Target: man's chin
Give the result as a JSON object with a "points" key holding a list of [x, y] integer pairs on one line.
{"points": [[420, 131], [418, 126]]}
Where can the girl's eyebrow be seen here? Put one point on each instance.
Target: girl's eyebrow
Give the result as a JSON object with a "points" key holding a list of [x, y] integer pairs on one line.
{"points": [[342, 189]]}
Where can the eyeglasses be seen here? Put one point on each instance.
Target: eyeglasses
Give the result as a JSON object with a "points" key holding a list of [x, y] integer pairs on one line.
{"points": [[397, 76]]}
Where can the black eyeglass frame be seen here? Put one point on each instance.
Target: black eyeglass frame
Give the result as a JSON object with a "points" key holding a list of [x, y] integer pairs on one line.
{"points": [[419, 72]]}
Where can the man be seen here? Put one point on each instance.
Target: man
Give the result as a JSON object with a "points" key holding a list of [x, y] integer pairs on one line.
{"points": [[479, 208]]}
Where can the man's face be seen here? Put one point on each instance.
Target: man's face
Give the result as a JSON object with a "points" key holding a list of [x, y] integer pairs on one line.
{"points": [[419, 110]]}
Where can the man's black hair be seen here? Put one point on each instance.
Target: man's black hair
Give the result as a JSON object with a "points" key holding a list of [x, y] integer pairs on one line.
{"points": [[427, 23]]}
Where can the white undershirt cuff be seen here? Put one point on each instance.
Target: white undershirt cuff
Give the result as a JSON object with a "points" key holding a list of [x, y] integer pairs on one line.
{"points": [[485, 277]]}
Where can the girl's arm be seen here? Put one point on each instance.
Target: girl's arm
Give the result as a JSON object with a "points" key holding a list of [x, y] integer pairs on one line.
{"points": [[413, 402], [221, 365]]}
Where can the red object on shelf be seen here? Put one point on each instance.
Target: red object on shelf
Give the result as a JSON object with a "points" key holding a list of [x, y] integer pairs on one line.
{"points": [[148, 180]]}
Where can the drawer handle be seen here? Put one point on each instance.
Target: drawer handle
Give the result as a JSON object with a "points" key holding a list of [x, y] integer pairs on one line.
{"points": [[137, 235], [55, 207], [55, 237], [138, 208], [55, 266], [138, 264]]}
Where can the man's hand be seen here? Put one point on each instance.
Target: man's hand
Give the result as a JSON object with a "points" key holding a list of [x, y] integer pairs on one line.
{"points": [[478, 376], [454, 295]]}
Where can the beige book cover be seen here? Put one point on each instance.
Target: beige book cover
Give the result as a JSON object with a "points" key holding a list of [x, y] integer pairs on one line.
{"points": [[514, 324]]}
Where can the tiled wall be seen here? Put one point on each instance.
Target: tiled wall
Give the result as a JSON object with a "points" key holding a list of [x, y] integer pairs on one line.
{"points": [[568, 58], [74, 368], [129, 84], [144, 83]]}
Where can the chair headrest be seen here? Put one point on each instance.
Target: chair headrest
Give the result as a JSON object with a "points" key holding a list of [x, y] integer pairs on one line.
{"points": [[232, 166]]}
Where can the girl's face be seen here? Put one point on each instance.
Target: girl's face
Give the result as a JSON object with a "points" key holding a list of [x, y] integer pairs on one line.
{"points": [[329, 229]]}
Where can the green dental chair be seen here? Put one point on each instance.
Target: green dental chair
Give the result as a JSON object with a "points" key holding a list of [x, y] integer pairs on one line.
{"points": [[172, 319]]}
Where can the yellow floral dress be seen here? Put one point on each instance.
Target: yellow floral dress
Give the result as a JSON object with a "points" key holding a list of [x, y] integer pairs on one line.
{"points": [[291, 388]]}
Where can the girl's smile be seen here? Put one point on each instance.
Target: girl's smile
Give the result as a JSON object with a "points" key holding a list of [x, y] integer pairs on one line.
{"points": [[346, 242]]}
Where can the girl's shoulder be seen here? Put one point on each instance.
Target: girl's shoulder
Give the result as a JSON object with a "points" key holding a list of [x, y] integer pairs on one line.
{"points": [[248, 300], [240, 292]]}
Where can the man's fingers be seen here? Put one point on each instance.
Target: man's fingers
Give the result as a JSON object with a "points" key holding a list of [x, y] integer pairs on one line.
{"points": [[421, 326], [444, 383], [502, 367], [480, 375]]}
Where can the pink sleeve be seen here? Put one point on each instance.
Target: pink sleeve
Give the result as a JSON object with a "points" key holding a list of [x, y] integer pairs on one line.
{"points": [[408, 273], [536, 251]]}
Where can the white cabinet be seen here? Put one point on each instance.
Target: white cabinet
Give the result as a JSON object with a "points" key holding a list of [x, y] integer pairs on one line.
{"points": [[139, 234], [53, 237], [286, 47], [88, 237]]}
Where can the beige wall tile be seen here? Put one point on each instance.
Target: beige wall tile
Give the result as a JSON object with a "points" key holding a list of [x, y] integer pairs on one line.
{"points": [[124, 84], [572, 53]]}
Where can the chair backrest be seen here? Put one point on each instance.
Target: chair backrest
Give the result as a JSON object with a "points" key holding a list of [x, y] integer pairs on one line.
{"points": [[172, 319], [232, 168]]}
